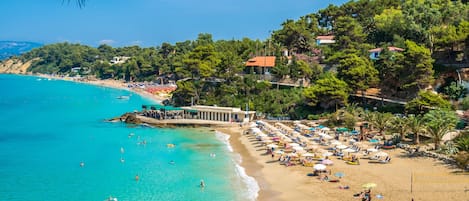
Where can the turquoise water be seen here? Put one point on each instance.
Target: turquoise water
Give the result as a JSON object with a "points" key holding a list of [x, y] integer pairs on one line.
{"points": [[47, 127]]}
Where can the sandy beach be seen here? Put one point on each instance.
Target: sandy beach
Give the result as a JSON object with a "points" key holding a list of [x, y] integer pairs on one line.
{"points": [[405, 178], [116, 84]]}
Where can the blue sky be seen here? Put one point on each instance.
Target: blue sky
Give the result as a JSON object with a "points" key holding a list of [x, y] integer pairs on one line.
{"points": [[147, 22]]}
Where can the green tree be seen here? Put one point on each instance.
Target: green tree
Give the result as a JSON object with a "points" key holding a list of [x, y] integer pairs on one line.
{"points": [[358, 72], [426, 100], [349, 34], [454, 91], [419, 68], [416, 126], [328, 92], [439, 122]]}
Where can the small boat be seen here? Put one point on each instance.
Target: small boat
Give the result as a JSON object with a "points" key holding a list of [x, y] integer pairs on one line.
{"points": [[123, 97]]}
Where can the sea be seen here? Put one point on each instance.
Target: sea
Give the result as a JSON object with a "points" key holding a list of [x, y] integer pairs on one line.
{"points": [[55, 145]]}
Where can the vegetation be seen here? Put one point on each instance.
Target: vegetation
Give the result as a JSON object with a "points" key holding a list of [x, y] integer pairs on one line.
{"points": [[212, 72]]}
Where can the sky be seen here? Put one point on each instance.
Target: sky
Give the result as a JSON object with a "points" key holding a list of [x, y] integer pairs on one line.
{"points": [[147, 22]]}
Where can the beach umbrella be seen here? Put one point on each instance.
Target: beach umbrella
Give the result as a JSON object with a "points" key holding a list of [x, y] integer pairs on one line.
{"points": [[293, 155], [297, 148], [339, 174], [327, 137], [308, 155], [374, 141], [327, 162], [335, 143], [348, 150], [369, 185], [371, 150], [325, 129], [279, 152], [381, 154], [327, 153], [341, 146], [319, 167], [272, 145], [294, 144]]}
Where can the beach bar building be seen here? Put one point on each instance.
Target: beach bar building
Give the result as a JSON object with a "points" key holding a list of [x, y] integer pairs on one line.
{"points": [[199, 112]]}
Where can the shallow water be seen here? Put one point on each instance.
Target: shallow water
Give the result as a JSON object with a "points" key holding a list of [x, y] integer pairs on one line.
{"points": [[47, 127]]}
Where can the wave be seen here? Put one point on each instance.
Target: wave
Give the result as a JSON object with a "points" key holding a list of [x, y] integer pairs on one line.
{"points": [[252, 187]]}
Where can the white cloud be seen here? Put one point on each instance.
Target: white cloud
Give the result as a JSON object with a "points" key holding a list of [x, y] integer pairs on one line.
{"points": [[107, 41], [136, 42]]}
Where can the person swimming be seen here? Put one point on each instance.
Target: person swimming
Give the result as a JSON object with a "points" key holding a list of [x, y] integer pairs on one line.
{"points": [[122, 160], [82, 164], [202, 183], [137, 177], [172, 162], [122, 150]]}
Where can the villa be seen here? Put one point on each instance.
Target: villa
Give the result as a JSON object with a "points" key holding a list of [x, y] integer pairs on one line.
{"points": [[321, 40], [374, 53], [260, 65]]}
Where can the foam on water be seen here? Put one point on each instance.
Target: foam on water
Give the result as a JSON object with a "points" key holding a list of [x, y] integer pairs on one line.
{"points": [[252, 186]]}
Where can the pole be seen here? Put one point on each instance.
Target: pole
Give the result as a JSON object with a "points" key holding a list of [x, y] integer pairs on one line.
{"points": [[411, 181]]}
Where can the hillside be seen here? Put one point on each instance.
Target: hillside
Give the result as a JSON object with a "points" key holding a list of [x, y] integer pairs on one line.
{"points": [[12, 48]]}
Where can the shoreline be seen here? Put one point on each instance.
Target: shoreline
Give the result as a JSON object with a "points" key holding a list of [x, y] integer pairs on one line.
{"points": [[115, 84], [405, 178]]}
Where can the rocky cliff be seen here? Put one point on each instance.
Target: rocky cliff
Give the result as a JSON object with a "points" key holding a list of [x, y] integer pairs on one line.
{"points": [[15, 66]]}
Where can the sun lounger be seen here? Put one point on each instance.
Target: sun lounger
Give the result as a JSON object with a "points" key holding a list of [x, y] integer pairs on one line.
{"points": [[353, 163]]}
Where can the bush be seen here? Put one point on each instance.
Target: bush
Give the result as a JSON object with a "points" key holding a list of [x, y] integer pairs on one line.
{"points": [[462, 160], [465, 103]]}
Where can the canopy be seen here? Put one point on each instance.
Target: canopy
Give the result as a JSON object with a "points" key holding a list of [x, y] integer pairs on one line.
{"points": [[272, 145], [341, 146], [319, 167], [307, 155], [369, 185], [342, 129], [327, 162]]}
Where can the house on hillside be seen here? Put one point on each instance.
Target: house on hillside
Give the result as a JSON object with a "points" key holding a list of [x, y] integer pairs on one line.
{"points": [[119, 60], [260, 65], [374, 53], [321, 40]]}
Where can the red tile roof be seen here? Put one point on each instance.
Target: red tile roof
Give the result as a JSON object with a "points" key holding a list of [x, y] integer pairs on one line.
{"points": [[325, 38], [390, 48], [261, 61]]}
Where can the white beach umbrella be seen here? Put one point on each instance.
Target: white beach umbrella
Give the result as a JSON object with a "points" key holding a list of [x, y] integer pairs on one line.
{"points": [[348, 150], [327, 153], [319, 167], [341, 146], [293, 154], [279, 152], [307, 154], [381, 154], [272, 145], [262, 135], [327, 137], [335, 143], [311, 147], [293, 144], [297, 148]]}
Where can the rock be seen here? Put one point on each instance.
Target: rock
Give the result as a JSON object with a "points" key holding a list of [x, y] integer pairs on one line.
{"points": [[131, 118]]}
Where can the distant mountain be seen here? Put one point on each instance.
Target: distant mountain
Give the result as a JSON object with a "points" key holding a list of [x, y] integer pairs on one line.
{"points": [[11, 48]]}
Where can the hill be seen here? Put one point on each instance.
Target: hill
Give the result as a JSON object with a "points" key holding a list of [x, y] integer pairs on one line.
{"points": [[12, 48]]}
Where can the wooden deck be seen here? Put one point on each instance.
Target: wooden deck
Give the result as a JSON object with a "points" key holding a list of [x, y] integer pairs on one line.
{"points": [[185, 122]]}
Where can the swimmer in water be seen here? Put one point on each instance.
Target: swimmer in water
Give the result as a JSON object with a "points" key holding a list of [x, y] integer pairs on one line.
{"points": [[122, 150], [137, 177], [122, 160], [172, 162], [202, 183], [82, 164]]}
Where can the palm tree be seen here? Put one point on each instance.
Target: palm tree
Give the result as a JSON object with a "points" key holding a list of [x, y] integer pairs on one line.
{"points": [[415, 126], [438, 123], [381, 121], [400, 126]]}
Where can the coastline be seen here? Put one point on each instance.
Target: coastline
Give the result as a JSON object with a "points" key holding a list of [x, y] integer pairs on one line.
{"points": [[115, 84]]}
